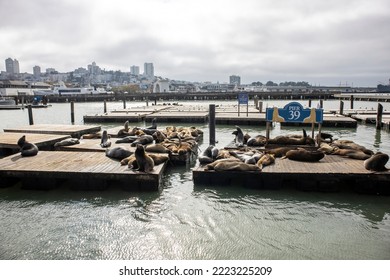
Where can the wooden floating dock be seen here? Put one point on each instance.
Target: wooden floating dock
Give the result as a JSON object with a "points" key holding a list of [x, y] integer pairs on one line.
{"points": [[62, 129], [200, 114], [8, 141], [80, 170], [331, 174]]}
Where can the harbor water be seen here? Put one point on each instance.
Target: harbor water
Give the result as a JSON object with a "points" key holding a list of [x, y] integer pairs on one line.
{"points": [[188, 222]]}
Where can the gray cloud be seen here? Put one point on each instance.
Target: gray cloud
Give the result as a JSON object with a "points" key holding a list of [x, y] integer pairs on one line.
{"points": [[317, 41]]}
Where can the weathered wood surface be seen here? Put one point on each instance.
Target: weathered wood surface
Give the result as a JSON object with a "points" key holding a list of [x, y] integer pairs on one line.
{"points": [[332, 173], [9, 139], [63, 129], [93, 145], [85, 170]]}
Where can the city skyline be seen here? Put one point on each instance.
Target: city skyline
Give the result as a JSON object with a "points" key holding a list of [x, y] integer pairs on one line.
{"points": [[329, 42]]}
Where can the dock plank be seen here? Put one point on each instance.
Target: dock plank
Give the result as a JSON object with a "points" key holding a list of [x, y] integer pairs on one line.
{"points": [[61, 129], [79, 167], [332, 173], [9, 139]]}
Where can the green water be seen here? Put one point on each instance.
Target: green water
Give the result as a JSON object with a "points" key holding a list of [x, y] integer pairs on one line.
{"points": [[184, 221]]}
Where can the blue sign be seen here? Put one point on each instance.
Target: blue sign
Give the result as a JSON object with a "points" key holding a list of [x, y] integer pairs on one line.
{"points": [[243, 98], [294, 112]]}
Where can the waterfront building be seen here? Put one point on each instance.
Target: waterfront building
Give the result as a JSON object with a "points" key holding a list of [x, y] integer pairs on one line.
{"points": [[161, 85], [134, 70], [235, 80], [148, 70]]}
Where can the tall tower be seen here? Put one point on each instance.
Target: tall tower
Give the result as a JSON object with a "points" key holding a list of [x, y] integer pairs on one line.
{"points": [[9, 65], [37, 71], [148, 69], [134, 70], [16, 67]]}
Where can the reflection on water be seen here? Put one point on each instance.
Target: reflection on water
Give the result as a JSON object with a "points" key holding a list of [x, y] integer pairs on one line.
{"points": [[184, 221]]}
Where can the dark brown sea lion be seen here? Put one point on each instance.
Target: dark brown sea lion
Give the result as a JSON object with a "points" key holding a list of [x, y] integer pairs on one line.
{"points": [[288, 140], [157, 148], [118, 153], [67, 142], [145, 163], [257, 141], [27, 149], [377, 162], [105, 142], [143, 139], [239, 139], [159, 158], [305, 155]]}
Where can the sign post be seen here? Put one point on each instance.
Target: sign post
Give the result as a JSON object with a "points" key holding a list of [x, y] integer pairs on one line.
{"points": [[243, 99], [294, 112]]}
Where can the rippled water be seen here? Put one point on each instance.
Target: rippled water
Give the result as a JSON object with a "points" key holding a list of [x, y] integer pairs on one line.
{"points": [[184, 221]]}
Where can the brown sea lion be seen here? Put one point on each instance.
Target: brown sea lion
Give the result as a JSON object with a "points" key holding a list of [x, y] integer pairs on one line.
{"points": [[27, 149], [118, 153], [377, 162], [351, 153], [124, 131], [278, 152], [265, 160], [235, 166], [159, 158], [257, 141], [289, 140], [305, 155], [211, 166], [145, 163], [157, 148]]}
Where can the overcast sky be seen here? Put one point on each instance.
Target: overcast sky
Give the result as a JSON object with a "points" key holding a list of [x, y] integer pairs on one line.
{"points": [[322, 42]]}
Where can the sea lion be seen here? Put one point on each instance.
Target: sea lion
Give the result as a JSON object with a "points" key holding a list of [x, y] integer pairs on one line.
{"points": [[292, 140], [127, 139], [67, 142], [207, 155], [159, 158], [154, 124], [118, 153], [257, 141], [157, 148], [145, 163], [377, 162], [304, 155], [278, 152], [143, 139], [124, 130], [351, 153], [27, 149], [210, 166], [235, 166], [239, 139], [105, 141], [159, 136], [265, 160], [325, 137], [97, 135], [326, 148]]}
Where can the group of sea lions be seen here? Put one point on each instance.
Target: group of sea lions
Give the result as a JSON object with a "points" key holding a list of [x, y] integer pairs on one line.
{"points": [[290, 147], [153, 146]]}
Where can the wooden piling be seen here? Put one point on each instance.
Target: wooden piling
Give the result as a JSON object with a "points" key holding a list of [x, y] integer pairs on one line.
{"points": [[72, 112], [341, 107], [124, 103], [321, 103], [261, 106], [309, 103], [30, 115], [105, 106], [212, 123], [379, 116], [351, 101]]}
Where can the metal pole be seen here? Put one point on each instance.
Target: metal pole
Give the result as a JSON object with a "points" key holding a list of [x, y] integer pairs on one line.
{"points": [[30, 115], [212, 123], [72, 112]]}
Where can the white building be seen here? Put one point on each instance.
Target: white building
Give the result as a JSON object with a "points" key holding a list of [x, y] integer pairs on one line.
{"points": [[12, 66], [161, 86]]}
